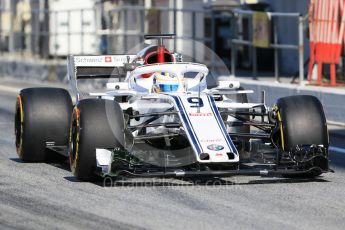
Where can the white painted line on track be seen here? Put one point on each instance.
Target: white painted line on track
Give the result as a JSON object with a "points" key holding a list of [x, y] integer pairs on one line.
{"points": [[336, 149], [16, 90], [9, 89]]}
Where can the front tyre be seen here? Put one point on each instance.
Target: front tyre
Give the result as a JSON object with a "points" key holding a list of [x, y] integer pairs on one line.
{"points": [[303, 123], [96, 123]]}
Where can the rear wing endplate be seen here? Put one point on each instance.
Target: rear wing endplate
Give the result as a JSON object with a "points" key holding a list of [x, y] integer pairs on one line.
{"points": [[103, 66], [98, 67]]}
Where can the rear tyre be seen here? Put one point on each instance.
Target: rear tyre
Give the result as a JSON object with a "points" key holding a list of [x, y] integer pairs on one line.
{"points": [[302, 122], [96, 123], [42, 115]]}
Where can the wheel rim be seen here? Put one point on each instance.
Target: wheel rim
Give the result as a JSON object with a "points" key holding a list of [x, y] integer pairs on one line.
{"points": [[19, 125], [74, 140]]}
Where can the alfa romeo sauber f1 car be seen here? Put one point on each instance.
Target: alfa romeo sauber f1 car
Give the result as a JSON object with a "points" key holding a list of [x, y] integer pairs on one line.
{"points": [[156, 117]]}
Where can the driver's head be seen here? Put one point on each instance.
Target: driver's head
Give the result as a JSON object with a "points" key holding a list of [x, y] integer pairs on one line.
{"points": [[164, 82]]}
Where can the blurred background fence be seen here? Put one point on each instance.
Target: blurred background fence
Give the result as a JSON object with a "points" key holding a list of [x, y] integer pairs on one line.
{"points": [[53, 29]]}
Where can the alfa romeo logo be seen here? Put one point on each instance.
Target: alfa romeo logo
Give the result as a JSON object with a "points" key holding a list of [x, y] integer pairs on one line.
{"points": [[215, 147]]}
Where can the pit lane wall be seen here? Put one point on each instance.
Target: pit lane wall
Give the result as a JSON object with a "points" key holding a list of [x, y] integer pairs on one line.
{"points": [[28, 69], [332, 99]]}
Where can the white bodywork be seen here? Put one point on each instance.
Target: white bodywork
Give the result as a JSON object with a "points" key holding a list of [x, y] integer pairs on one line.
{"points": [[104, 159], [197, 110]]}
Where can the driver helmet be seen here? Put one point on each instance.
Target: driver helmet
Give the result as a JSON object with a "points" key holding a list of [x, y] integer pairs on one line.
{"points": [[164, 82]]}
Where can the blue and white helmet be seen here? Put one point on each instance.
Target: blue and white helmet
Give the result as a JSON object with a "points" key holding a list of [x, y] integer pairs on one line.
{"points": [[165, 82]]}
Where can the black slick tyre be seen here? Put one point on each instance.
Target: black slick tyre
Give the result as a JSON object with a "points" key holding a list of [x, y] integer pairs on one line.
{"points": [[96, 123], [302, 122], [42, 115]]}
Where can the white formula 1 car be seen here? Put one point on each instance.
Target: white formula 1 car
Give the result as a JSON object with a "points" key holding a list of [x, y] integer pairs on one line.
{"points": [[155, 117]]}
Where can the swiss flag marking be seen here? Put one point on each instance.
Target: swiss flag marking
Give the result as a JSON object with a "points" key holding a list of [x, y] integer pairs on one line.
{"points": [[108, 59]]}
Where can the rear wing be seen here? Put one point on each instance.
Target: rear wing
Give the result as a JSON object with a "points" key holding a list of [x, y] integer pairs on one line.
{"points": [[98, 67], [104, 66]]}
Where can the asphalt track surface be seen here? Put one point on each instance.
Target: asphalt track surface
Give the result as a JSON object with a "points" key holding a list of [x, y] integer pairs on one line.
{"points": [[45, 196]]}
